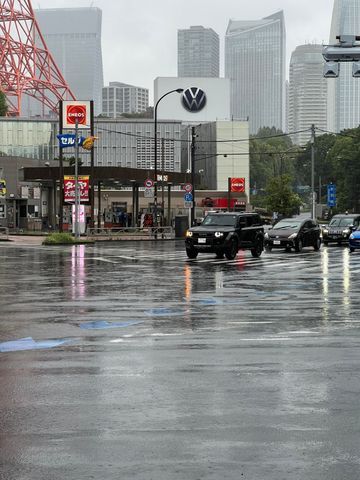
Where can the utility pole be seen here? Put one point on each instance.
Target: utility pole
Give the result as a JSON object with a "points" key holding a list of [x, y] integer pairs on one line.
{"points": [[193, 147], [77, 190], [313, 203], [162, 181]]}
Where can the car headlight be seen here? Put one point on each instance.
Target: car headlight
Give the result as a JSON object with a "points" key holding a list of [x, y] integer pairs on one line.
{"points": [[326, 231], [352, 236], [292, 236], [189, 234], [219, 234], [346, 231]]}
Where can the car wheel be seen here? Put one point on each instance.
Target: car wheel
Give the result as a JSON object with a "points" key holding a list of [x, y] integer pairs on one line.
{"points": [[191, 253], [233, 249], [299, 246], [317, 244], [352, 250], [220, 255], [258, 249]]}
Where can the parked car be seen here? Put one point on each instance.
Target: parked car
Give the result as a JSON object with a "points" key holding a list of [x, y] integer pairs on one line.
{"points": [[340, 227], [293, 233], [225, 234], [354, 240]]}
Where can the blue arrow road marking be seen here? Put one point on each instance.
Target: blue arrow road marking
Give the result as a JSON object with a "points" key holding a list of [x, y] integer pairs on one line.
{"points": [[102, 325], [30, 344]]}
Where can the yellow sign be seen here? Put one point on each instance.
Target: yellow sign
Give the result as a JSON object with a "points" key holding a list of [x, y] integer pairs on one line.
{"points": [[88, 143], [2, 187]]}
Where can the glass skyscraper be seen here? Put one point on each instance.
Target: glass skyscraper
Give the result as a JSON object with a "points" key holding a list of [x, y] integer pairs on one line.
{"points": [[344, 92], [73, 36], [198, 52], [255, 62], [307, 92]]}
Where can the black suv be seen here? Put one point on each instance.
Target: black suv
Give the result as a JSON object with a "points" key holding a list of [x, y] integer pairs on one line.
{"points": [[226, 233]]}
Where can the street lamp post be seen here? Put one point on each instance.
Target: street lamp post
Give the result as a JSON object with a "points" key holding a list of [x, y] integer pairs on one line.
{"points": [[177, 90], [313, 195]]}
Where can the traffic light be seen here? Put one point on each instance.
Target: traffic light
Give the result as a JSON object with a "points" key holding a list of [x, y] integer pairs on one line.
{"points": [[331, 69], [347, 50], [356, 70], [335, 53]]}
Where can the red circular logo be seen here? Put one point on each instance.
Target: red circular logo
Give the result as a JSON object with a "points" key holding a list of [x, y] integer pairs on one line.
{"points": [[238, 185], [76, 112], [149, 183], [188, 187]]}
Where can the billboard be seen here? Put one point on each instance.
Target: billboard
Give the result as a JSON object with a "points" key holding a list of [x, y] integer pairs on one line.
{"points": [[203, 99], [76, 110], [69, 188]]}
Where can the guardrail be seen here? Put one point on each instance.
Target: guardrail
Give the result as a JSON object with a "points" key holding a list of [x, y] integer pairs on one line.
{"points": [[4, 233], [145, 233]]}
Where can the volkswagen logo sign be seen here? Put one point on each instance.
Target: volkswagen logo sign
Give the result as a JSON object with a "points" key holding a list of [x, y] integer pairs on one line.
{"points": [[194, 99]]}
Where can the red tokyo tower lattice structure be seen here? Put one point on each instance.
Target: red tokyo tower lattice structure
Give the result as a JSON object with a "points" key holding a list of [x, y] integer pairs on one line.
{"points": [[26, 65]]}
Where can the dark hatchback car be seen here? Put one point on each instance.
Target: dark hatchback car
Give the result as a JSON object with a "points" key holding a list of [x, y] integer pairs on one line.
{"points": [[225, 234], [340, 227], [293, 233]]}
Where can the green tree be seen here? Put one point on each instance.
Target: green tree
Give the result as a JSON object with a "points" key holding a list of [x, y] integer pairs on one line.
{"points": [[3, 104], [344, 159], [324, 168], [280, 196], [270, 156]]}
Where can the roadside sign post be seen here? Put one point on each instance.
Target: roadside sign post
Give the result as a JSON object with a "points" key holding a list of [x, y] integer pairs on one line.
{"points": [[77, 191], [331, 195], [188, 201]]}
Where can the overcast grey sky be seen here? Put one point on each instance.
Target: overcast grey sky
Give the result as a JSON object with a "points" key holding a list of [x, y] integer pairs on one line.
{"points": [[139, 38]]}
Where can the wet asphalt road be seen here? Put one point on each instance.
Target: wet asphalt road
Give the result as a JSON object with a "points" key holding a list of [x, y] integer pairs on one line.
{"points": [[215, 370]]}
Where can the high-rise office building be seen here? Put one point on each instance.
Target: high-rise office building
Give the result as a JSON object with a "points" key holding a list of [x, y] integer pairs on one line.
{"points": [[344, 92], [73, 36], [307, 92], [198, 52], [255, 62], [119, 98]]}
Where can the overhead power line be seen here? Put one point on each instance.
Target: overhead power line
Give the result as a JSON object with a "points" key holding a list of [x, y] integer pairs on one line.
{"points": [[236, 140]]}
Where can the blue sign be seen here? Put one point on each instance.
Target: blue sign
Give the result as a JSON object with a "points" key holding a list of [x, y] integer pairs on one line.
{"points": [[67, 140], [188, 197], [331, 195]]}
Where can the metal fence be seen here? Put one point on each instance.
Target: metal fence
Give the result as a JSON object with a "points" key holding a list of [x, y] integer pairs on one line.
{"points": [[128, 233]]}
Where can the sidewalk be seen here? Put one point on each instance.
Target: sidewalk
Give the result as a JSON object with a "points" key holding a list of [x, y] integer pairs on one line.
{"points": [[24, 240]]}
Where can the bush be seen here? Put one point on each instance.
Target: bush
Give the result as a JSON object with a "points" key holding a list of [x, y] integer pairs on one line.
{"points": [[59, 239]]}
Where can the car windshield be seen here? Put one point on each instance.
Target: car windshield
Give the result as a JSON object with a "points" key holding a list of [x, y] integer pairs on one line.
{"points": [[287, 224], [220, 220], [341, 222]]}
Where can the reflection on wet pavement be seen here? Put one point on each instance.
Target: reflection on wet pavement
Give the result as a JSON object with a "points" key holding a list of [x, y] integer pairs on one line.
{"points": [[178, 368]]}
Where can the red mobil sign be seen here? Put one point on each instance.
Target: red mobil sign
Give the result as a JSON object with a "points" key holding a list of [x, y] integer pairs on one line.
{"points": [[76, 111], [237, 185], [69, 188]]}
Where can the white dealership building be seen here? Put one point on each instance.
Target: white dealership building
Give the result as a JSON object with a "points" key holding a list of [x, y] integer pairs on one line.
{"points": [[222, 144]]}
